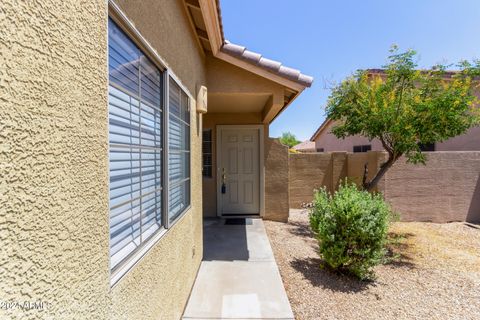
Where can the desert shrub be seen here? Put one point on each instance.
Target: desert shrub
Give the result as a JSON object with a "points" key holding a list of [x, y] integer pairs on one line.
{"points": [[351, 227]]}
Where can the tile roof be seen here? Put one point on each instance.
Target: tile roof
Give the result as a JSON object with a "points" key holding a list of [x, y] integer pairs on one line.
{"points": [[273, 66], [305, 145]]}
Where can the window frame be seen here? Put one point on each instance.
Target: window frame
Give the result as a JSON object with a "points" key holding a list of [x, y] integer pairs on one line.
{"points": [[363, 148], [210, 130], [125, 25], [429, 147], [170, 76]]}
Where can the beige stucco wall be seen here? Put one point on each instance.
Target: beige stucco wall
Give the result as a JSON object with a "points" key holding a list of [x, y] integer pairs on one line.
{"points": [[54, 168], [164, 23], [54, 214], [470, 141], [243, 91], [224, 77], [276, 181]]}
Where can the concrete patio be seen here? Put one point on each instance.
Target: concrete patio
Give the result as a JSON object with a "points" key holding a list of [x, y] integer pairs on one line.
{"points": [[238, 278]]}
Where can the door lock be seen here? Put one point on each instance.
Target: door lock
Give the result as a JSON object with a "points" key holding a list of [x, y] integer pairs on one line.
{"points": [[224, 177]]}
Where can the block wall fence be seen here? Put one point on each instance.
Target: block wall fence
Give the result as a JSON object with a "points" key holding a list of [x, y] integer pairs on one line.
{"points": [[446, 189]]}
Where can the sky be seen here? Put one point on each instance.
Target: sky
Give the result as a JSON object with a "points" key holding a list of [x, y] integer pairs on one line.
{"points": [[331, 39]]}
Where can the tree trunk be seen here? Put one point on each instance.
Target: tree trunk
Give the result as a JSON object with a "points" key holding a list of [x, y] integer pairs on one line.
{"points": [[369, 186]]}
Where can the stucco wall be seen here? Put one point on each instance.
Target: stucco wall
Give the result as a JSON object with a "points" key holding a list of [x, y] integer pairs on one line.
{"points": [[276, 181], [224, 77], [54, 168], [54, 211], [470, 141], [330, 143], [446, 189], [164, 23]]}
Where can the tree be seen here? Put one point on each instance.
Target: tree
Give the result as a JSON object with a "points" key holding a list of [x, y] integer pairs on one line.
{"points": [[289, 139], [404, 107]]}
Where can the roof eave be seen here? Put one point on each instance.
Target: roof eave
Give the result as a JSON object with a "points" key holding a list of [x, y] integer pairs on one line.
{"points": [[212, 17], [320, 129]]}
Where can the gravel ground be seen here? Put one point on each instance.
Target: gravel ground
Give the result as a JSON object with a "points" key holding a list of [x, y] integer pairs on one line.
{"points": [[436, 277]]}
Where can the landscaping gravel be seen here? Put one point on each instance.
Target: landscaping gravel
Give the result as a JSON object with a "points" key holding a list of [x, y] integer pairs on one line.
{"points": [[436, 276]]}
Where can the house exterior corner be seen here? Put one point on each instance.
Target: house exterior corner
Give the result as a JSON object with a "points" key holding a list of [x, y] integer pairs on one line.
{"points": [[103, 149]]}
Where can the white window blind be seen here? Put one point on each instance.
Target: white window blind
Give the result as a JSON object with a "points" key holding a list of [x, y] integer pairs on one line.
{"points": [[178, 151], [135, 136], [207, 153]]}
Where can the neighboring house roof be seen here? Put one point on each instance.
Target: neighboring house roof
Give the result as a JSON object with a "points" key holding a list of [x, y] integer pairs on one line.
{"points": [[206, 19], [320, 129], [305, 145]]}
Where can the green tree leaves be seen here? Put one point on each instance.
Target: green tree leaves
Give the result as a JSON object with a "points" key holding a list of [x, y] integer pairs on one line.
{"points": [[404, 107], [289, 139]]}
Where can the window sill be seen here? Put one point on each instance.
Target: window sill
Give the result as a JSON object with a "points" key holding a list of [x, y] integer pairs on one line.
{"points": [[139, 255]]}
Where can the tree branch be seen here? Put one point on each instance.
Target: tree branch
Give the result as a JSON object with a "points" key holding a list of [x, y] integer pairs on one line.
{"points": [[402, 88], [365, 174], [392, 157], [383, 169]]}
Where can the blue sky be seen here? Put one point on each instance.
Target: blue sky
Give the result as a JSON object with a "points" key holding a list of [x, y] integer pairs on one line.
{"points": [[331, 39]]}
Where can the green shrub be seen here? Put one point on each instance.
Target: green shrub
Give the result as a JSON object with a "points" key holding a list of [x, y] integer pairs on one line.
{"points": [[351, 227]]}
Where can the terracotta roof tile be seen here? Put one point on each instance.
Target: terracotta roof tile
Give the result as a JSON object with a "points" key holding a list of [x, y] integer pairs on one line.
{"points": [[273, 66]]}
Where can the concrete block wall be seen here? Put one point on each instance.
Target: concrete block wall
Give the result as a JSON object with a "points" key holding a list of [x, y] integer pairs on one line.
{"points": [[308, 171], [446, 189], [276, 181]]}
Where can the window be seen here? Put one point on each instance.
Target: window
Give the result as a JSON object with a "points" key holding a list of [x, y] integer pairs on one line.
{"points": [[178, 151], [137, 143], [427, 147], [320, 150], [207, 153], [363, 148], [135, 126]]}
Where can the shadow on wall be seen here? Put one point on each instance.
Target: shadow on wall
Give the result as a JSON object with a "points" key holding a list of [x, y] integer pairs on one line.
{"points": [[309, 171], [473, 214]]}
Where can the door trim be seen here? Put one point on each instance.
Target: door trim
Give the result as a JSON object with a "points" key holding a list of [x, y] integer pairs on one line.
{"points": [[261, 144]]}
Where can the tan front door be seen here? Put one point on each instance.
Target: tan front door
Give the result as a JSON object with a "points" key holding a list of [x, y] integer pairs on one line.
{"points": [[239, 171]]}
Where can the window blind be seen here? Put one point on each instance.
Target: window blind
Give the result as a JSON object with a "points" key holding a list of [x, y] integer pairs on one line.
{"points": [[178, 151], [207, 153], [135, 138]]}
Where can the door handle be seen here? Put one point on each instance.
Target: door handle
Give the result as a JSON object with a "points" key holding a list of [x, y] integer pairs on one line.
{"points": [[224, 178]]}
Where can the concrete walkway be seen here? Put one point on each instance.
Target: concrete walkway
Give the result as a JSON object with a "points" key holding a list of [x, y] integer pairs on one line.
{"points": [[238, 277]]}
